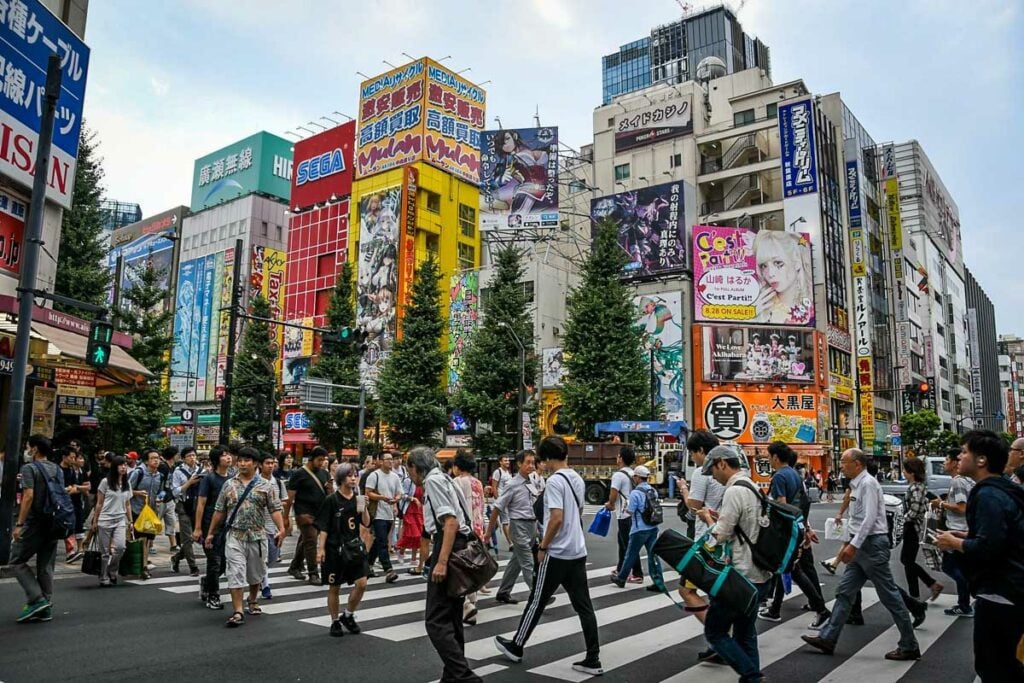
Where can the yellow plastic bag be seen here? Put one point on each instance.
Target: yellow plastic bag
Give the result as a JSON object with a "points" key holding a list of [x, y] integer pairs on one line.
{"points": [[148, 523]]}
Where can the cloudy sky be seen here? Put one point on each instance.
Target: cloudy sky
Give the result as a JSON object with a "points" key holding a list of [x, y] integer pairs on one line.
{"points": [[171, 81]]}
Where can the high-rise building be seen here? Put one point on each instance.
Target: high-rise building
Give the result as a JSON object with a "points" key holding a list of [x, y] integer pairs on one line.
{"points": [[671, 53], [986, 402], [1011, 381], [116, 214]]}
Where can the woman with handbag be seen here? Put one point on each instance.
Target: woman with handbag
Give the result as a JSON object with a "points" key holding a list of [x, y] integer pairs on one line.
{"points": [[340, 551], [916, 502], [113, 518], [464, 476], [412, 531]]}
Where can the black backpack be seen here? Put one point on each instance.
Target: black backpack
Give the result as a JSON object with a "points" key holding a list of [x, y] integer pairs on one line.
{"points": [[778, 544], [652, 514], [58, 512]]}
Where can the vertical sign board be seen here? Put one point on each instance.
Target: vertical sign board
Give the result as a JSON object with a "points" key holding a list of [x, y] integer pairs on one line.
{"points": [[975, 341], [899, 292], [29, 34], [213, 350], [463, 313], [377, 278], [206, 314], [454, 120], [408, 236], [799, 158], [183, 309], [226, 280], [12, 232]]}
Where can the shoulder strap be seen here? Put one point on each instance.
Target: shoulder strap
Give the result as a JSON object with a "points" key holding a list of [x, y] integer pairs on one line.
{"points": [[741, 536], [572, 490], [241, 499], [139, 480]]}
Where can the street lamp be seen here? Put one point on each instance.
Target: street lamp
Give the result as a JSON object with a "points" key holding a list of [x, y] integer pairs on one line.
{"points": [[522, 383]]}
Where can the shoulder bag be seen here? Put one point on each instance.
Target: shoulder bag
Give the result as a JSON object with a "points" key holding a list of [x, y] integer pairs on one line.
{"points": [[220, 539], [305, 519], [470, 566]]}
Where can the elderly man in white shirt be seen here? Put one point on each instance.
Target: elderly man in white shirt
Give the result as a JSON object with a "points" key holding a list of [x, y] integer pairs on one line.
{"points": [[867, 559]]}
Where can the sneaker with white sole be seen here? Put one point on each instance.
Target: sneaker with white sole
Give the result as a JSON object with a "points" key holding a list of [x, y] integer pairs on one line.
{"points": [[590, 665], [959, 611], [509, 649], [820, 620], [768, 615]]}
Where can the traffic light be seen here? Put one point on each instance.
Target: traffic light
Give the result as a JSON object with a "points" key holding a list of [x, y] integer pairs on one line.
{"points": [[912, 390], [329, 343], [97, 353]]}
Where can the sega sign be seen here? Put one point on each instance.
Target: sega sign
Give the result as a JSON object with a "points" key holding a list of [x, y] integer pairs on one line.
{"points": [[323, 167], [296, 421]]}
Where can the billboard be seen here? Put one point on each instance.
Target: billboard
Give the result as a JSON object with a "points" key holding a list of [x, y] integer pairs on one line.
{"points": [[746, 277], [298, 342], [454, 119], [758, 354], [259, 163], [799, 157], [519, 178], [12, 232], [377, 279], [411, 178], [184, 321], [662, 121], [554, 370], [659, 320], [323, 166], [764, 416], [294, 370], [463, 313], [146, 251], [226, 280], [29, 34], [652, 228]]}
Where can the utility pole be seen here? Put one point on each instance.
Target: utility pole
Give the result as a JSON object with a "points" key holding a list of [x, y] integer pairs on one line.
{"points": [[26, 288], [229, 365]]}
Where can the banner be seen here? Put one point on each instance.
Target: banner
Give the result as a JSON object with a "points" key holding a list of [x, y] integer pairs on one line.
{"points": [[213, 351], [659, 320], [756, 354], [184, 320], [763, 417], [298, 342], [463, 314], [554, 370], [651, 223], [519, 178], [453, 121], [377, 281], [798, 153], [741, 276], [226, 281], [662, 121], [44, 404], [137, 255], [75, 382], [974, 340], [391, 120], [205, 326], [294, 370], [412, 176], [12, 232], [853, 193]]}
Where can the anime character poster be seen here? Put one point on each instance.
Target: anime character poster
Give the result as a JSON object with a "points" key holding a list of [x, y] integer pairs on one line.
{"points": [[377, 283], [184, 321], [554, 369], [659, 320], [758, 354], [519, 178], [651, 226], [463, 313], [747, 277]]}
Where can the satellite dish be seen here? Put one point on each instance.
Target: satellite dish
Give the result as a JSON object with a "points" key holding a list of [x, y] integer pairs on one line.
{"points": [[710, 68]]}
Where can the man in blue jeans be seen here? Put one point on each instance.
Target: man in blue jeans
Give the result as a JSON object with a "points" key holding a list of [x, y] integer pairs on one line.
{"points": [[642, 534], [384, 488]]}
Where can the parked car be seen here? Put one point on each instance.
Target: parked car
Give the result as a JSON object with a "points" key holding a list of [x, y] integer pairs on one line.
{"points": [[937, 484]]}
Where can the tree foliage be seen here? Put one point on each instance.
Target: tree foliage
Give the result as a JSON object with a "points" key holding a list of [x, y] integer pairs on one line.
{"points": [[607, 373], [410, 398], [944, 441], [253, 383], [131, 420], [81, 269], [491, 365], [917, 429], [338, 427]]}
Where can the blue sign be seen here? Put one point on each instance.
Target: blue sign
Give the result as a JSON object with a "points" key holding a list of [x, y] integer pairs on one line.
{"points": [[799, 157], [673, 427], [319, 167], [29, 34], [853, 193], [897, 440]]}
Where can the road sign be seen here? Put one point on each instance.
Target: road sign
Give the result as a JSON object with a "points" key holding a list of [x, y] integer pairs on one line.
{"points": [[187, 416], [897, 440], [895, 429]]}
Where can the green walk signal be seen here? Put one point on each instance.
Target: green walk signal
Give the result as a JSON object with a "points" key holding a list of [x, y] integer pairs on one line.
{"points": [[97, 353]]}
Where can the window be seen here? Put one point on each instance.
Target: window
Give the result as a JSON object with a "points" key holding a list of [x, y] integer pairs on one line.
{"points": [[577, 186], [676, 160], [433, 201], [622, 172], [279, 233], [611, 122], [325, 265], [243, 226], [528, 291], [742, 118], [467, 220], [223, 232], [773, 110], [432, 243], [265, 231], [467, 256]]}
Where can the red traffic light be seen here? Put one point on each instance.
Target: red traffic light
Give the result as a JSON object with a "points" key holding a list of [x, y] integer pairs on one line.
{"points": [[924, 387]]}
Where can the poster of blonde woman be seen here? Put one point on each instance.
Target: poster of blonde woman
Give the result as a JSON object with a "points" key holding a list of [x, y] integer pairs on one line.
{"points": [[658, 317], [743, 276]]}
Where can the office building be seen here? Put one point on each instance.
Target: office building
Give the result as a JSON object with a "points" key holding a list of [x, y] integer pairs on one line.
{"points": [[1011, 382], [117, 214], [986, 396]]}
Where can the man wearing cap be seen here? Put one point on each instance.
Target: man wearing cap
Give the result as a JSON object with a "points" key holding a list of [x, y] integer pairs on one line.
{"points": [[740, 511], [641, 534]]}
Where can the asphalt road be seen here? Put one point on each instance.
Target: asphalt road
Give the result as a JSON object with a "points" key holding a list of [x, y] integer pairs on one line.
{"points": [[159, 630]]}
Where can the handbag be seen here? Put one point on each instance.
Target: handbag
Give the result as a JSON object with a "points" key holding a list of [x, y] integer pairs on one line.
{"points": [[470, 566], [352, 551], [148, 522], [92, 560], [131, 561], [602, 522]]}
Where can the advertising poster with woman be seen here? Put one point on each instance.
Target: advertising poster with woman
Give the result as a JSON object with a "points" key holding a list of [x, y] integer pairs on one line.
{"points": [[758, 354], [519, 178], [658, 319], [747, 277], [377, 284]]}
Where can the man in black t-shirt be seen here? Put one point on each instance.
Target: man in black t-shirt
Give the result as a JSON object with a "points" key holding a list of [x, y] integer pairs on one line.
{"points": [[340, 550], [209, 490], [75, 485], [308, 486]]}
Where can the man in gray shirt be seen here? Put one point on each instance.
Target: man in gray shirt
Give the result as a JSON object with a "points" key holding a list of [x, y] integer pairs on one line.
{"points": [[32, 534], [867, 559], [384, 487], [516, 505]]}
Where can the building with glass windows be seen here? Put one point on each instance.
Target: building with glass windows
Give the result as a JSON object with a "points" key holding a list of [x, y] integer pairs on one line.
{"points": [[671, 53]]}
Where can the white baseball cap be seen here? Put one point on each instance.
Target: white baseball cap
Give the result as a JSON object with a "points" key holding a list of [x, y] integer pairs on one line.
{"points": [[641, 472]]}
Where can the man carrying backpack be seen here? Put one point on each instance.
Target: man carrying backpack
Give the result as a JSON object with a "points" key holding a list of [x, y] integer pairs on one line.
{"points": [[34, 534], [867, 559], [645, 510]]}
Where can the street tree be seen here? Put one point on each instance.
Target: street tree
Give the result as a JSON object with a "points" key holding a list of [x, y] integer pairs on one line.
{"points": [[129, 421], [410, 398], [918, 428], [253, 406], [338, 427], [81, 273], [607, 376], [487, 393], [943, 442]]}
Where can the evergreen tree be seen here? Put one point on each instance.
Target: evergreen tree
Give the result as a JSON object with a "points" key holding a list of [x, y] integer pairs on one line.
{"points": [[81, 269], [607, 372], [338, 427], [129, 420], [410, 399], [918, 428], [252, 386], [491, 368]]}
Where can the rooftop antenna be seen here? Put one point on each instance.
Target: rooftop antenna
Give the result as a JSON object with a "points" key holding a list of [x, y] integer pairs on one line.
{"points": [[536, 115], [498, 119]]}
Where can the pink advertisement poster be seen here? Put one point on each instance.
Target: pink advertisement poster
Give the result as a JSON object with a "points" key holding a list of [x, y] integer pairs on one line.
{"points": [[745, 277]]}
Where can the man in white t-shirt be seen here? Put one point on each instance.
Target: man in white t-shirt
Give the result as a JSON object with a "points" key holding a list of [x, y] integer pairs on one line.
{"points": [[562, 559], [618, 501], [384, 487], [955, 509]]}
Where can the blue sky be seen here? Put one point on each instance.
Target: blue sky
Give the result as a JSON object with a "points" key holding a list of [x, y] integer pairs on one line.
{"points": [[171, 81]]}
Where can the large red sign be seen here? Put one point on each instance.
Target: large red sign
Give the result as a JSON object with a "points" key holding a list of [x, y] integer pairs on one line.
{"points": [[323, 166], [12, 232]]}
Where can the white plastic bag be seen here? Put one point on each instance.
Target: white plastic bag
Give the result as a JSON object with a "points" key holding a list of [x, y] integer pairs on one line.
{"points": [[836, 531]]}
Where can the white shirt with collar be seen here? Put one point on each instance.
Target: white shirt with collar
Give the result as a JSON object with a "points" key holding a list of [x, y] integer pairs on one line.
{"points": [[867, 509]]}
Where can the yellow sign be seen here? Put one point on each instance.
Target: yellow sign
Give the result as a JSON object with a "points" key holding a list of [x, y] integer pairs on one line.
{"points": [[840, 387], [865, 378], [857, 247], [892, 209]]}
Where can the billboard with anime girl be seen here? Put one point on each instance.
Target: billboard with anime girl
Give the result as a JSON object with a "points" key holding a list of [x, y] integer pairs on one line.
{"points": [[658, 317], [652, 228], [519, 178], [377, 283]]}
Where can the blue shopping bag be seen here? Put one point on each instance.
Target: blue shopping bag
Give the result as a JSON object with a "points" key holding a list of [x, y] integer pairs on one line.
{"points": [[602, 522], [787, 583]]}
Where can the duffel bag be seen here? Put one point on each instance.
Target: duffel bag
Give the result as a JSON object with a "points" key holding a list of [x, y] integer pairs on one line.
{"points": [[706, 569]]}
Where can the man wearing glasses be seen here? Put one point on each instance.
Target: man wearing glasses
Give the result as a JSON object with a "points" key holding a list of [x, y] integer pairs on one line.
{"points": [[1015, 464]]}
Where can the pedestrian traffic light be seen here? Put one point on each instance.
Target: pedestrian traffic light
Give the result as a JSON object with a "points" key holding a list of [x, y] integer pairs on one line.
{"points": [[97, 353]]}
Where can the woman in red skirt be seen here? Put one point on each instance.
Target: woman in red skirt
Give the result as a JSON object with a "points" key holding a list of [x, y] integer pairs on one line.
{"points": [[412, 530]]}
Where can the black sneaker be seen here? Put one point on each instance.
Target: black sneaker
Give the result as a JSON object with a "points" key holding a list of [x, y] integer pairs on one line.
{"points": [[505, 599], [349, 622], [297, 574], [590, 665], [820, 620], [391, 577], [314, 580], [336, 630], [213, 601], [512, 652], [855, 620], [175, 566], [709, 656], [768, 615]]}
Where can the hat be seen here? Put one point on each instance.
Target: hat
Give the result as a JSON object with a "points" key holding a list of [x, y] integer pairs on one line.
{"points": [[132, 455], [720, 452], [641, 472]]}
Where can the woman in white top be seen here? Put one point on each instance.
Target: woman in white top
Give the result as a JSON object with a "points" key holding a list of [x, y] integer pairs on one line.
{"points": [[113, 519]]}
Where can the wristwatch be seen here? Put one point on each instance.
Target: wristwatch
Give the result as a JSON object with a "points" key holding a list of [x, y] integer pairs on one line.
{"points": [[543, 550]]}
